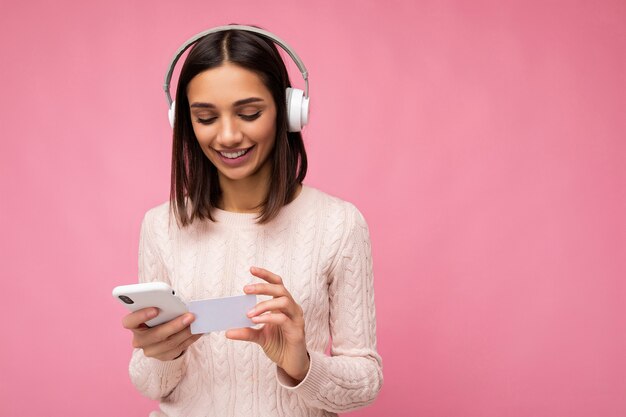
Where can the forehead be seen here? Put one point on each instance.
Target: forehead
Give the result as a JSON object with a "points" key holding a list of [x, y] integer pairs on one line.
{"points": [[226, 84]]}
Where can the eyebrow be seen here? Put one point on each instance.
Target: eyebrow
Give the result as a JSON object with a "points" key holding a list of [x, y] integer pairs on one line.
{"points": [[235, 104]]}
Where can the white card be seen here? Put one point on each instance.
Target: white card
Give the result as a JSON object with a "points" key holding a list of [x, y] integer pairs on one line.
{"points": [[216, 314]]}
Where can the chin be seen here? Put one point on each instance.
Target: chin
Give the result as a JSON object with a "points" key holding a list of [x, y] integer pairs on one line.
{"points": [[234, 175]]}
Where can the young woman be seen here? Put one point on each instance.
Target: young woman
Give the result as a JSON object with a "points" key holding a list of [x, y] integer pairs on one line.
{"points": [[239, 220]]}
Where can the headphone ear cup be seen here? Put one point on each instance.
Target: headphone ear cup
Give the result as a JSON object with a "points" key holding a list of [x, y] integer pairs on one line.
{"points": [[297, 109], [170, 113], [304, 114]]}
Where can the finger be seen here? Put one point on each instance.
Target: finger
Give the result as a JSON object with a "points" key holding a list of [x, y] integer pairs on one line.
{"points": [[278, 319], [163, 331], [245, 333], [135, 319], [282, 304], [274, 290], [266, 275], [190, 341], [172, 343], [177, 351]]}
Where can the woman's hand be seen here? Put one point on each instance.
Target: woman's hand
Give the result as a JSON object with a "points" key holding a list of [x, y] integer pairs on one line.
{"points": [[282, 336], [166, 341]]}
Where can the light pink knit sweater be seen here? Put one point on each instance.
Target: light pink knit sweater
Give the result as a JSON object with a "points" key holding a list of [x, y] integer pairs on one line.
{"points": [[320, 246]]}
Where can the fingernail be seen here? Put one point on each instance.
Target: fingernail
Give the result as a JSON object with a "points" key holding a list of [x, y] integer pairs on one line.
{"points": [[248, 288], [187, 319], [153, 312], [251, 313]]}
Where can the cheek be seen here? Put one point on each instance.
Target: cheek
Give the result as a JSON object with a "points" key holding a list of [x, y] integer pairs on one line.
{"points": [[267, 129], [208, 153], [203, 140], [203, 136], [197, 131], [269, 133]]}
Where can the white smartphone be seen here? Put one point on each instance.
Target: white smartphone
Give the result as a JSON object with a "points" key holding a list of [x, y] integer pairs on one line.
{"points": [[151, 294]]}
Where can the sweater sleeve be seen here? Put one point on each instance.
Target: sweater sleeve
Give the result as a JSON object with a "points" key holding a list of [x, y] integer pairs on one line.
{"points": [[352, 376], [152, 377]]}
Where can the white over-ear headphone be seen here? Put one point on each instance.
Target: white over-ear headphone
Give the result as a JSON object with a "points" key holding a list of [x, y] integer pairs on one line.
{"points": [[297, 100]]}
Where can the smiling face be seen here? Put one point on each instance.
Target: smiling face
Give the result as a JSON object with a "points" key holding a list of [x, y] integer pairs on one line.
{"points": [[233, 116]]}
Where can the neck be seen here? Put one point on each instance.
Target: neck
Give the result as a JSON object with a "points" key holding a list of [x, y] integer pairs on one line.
{"points": [[245, 195]]}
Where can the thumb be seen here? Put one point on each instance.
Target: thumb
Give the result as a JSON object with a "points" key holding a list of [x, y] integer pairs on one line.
{"points": [[245, 333]]}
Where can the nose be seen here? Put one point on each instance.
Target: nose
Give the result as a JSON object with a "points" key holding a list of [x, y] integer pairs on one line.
{"points": [[229, 134]]}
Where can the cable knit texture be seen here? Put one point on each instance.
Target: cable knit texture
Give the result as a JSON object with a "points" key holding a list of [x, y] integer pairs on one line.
{"points": [[320, 246]]}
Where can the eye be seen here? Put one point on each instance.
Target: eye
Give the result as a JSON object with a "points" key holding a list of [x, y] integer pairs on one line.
{"points": [[246, 117], [206, 121], [250, 117]]}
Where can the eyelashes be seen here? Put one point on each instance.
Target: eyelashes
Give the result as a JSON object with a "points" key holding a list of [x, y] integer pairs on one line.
{"points": [[246, 117], [250, 117]]}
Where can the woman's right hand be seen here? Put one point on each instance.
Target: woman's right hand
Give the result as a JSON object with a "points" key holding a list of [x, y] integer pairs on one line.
{"points": [[164, 342]]}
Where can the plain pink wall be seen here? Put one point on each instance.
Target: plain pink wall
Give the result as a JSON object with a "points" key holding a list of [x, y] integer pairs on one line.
{"points": [[483, 140]]}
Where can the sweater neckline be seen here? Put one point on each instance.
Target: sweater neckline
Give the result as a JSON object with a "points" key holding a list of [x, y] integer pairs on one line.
{"points": [[250, 219]]}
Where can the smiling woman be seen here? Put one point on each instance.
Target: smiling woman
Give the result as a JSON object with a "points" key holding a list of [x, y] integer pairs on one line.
{"points": [[245, 222], [237, 135], [212, 116]]}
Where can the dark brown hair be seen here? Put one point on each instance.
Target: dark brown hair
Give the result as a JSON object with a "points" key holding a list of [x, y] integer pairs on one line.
{"points": [[195, 188]]}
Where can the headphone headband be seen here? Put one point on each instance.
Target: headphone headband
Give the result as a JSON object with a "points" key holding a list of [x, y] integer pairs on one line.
{"points": [[266, 34]]}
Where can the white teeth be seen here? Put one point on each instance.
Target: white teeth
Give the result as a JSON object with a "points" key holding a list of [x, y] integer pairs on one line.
{"points": [[233, 155]]}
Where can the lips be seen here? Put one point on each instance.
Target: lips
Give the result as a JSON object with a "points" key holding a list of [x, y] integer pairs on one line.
{"points": [[235, 157], [234, 154]]}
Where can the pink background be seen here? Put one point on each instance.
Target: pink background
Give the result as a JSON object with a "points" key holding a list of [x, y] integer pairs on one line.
{"points": [[483, 140]]}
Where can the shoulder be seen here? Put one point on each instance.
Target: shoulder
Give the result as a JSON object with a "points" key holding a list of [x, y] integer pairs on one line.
{"points": [[157, 214], [342, 223], [336, 209], [156, 221], [344, 231]]}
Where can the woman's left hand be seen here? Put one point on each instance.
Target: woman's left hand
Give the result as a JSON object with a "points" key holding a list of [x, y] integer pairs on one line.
{"points": [[282, 336]]}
